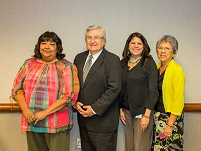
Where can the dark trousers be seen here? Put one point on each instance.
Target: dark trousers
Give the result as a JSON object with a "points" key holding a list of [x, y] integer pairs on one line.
{"points": [[93, 141], [48, 142]]}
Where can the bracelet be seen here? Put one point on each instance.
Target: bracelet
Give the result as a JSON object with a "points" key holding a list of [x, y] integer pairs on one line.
{"points": [[171, 126], [146, 116]]}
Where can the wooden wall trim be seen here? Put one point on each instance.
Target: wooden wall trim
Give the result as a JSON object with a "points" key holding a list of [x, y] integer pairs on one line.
{"points": [[192, 107], [9, 107], [13, 107]]}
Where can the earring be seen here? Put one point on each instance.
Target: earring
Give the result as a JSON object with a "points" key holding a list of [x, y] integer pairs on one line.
{"points": [[128, 53]]}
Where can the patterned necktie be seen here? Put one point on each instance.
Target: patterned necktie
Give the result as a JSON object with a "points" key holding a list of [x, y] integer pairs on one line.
{"points": [[87, 67]]}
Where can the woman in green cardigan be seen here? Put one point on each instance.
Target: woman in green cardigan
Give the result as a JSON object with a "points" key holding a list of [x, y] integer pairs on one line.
{"points": [[168, 117]]}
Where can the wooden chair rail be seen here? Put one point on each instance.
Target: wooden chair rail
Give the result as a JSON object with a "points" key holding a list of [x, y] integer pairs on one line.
{"points": [[13, 107], [9, 107]]}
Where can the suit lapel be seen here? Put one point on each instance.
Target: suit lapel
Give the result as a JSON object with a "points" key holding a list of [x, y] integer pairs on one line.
{"points": [[124, 71], [95, 66]]}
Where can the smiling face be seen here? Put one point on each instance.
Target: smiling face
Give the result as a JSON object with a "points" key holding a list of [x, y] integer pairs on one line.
{"points": [[136, 47], [165, 52], [94, 41], [48, 50]]}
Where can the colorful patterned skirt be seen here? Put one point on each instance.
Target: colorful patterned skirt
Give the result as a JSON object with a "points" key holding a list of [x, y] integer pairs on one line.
{"points": [[160, 142]]}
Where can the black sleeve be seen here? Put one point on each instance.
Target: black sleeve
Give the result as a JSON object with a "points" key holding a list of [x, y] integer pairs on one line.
{"points": [[152, 76]]}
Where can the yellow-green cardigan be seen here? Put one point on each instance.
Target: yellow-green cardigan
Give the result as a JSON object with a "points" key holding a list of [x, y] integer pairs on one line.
{"points": [[173, 88]]}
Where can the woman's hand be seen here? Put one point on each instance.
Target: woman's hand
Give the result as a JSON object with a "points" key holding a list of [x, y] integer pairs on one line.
{"points": [[169, 126], [144, 123], [28, 115], [40, 116], [168, 131], [122, 117], [145, 119]]}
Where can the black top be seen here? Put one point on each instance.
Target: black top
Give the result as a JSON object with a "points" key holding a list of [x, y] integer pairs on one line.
{"points": [[139, 87], [159, 104]]}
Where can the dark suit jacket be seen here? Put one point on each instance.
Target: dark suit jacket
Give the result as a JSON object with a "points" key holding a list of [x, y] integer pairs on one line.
{"points": [[100, 90]]}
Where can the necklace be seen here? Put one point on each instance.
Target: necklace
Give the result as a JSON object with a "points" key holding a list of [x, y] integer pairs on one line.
{"points": [[133, 62]]}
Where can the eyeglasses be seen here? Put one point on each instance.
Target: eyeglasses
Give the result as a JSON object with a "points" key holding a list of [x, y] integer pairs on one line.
{"points": [[164, 48], [95, 38]]}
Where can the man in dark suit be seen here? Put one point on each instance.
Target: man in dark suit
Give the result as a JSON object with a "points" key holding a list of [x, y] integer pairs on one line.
{"points": [[97, 106]]}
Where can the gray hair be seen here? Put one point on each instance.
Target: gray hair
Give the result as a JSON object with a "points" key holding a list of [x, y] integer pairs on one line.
{"points": [[92, 27], [171, 39]]}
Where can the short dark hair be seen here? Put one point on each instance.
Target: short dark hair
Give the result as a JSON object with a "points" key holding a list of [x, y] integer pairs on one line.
{"points": [[53, 37], [145, 53]]}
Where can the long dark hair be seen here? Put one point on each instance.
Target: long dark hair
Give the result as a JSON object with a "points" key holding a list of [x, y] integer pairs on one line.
{"points": [[145, 53], [53, 37]]}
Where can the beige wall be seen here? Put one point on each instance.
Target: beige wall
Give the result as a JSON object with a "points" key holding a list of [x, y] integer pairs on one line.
{"points": [[23, 21]]}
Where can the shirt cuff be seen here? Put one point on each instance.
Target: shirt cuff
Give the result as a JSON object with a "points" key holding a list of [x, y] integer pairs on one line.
{"points": [[74, 106], [93, 111]]}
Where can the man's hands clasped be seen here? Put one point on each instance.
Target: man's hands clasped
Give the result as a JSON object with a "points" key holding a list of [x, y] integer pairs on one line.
{"points": [[84, 110]]}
